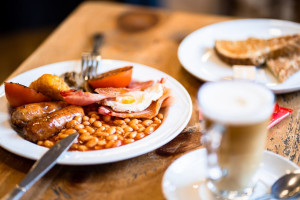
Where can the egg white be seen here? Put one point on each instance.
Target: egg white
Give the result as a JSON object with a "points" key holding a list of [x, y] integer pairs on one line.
{"points": [[135, 101]]}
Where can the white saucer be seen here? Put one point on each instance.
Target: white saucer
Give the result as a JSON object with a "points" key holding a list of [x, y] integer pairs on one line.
{"points": [[186, 174]]}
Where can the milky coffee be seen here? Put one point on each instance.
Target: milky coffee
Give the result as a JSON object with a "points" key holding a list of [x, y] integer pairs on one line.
{"points": [[244, 108]]}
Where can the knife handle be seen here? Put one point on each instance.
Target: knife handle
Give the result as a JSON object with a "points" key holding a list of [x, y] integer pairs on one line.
{"points": [[16, 194], [98, 38], [42, 166]]}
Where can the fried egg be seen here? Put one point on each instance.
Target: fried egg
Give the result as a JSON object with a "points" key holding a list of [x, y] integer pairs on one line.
{"points": [[135, 101]]}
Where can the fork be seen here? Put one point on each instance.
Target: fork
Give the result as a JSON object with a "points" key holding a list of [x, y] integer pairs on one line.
{"points": [[90, 61]]}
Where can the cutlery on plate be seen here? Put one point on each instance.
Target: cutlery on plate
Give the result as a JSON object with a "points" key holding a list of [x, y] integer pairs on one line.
{"points": [[90, 61], [41, 167]]}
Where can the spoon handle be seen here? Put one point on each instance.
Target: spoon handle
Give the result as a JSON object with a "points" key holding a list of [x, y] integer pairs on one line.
{"points": [[265, 196]]}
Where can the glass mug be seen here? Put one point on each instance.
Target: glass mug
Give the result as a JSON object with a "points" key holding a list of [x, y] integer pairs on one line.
{"points": [[236, 115]]}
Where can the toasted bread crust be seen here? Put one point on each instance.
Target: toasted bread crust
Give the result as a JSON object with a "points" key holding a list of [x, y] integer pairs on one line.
{"points": [[254, 51]]}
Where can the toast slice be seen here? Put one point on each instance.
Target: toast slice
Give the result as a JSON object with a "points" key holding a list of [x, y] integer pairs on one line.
{"points": [[284, 67], [255, 51]]}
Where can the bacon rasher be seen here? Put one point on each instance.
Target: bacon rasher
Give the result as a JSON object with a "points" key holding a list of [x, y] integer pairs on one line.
{"points": [[142, 85], [113, 92], [81, 98]]}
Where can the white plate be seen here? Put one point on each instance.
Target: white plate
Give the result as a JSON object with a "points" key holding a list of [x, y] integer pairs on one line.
{"points": [[176, 117], [197, 56], [185, 175]]}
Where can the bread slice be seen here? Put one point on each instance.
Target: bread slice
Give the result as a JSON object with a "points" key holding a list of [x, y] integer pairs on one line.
{"points": [[254, 51], [284, 67]]}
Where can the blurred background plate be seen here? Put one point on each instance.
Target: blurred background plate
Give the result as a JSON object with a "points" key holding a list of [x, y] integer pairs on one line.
{"points": [[197, 55]]}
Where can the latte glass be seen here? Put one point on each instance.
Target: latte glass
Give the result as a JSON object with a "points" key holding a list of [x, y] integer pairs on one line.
{"points": [[236, 115]]}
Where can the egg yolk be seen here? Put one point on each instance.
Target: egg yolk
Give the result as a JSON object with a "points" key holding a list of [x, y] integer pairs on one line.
{"points": [[128, 100]]}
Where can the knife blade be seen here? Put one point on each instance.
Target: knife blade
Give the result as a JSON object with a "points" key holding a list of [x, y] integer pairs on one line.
{"points": [[41, 167]]}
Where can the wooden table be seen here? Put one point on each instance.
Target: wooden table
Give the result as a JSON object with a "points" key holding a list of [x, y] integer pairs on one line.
{"points": [[153, 42]]}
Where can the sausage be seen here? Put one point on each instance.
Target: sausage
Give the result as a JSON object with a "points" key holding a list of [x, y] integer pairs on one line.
{"points": [[49, 125], [23, 114]]}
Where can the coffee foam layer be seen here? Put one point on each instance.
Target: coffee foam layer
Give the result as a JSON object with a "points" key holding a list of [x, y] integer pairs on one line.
{"points": [[236, 102]]}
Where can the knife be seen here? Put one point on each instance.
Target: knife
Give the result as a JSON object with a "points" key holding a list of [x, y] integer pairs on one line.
{"points": [[41, 167]]}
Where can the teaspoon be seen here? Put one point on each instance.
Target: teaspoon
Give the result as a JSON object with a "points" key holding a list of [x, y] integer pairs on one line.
{"points": [[286, 187]]}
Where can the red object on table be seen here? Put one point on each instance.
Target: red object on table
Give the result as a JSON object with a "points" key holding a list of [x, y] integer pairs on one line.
{"points": [[279, 114]]}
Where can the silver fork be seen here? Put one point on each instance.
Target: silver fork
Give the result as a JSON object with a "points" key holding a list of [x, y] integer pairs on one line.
{"points": [[90, 61]]}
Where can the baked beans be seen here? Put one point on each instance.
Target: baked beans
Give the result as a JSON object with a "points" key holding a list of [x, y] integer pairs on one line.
{"points": [[103, 132]]}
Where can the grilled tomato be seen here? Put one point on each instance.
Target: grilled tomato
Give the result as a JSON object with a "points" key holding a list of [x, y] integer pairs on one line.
{"points": [[17, 94], [117, 78]]}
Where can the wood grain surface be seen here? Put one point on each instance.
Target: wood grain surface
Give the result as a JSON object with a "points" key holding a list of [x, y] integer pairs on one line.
{"points": [[147, 36]]}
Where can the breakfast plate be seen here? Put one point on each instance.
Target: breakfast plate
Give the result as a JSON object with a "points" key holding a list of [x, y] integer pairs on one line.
{"points": [[184, 178], [197, 55], [176, 117]]}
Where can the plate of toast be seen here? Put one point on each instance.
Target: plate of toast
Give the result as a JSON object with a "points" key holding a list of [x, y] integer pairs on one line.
{"points": [[271, 47]]}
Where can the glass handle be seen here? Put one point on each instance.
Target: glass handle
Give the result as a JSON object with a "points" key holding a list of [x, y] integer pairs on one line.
{"points": [[212, 141]]}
